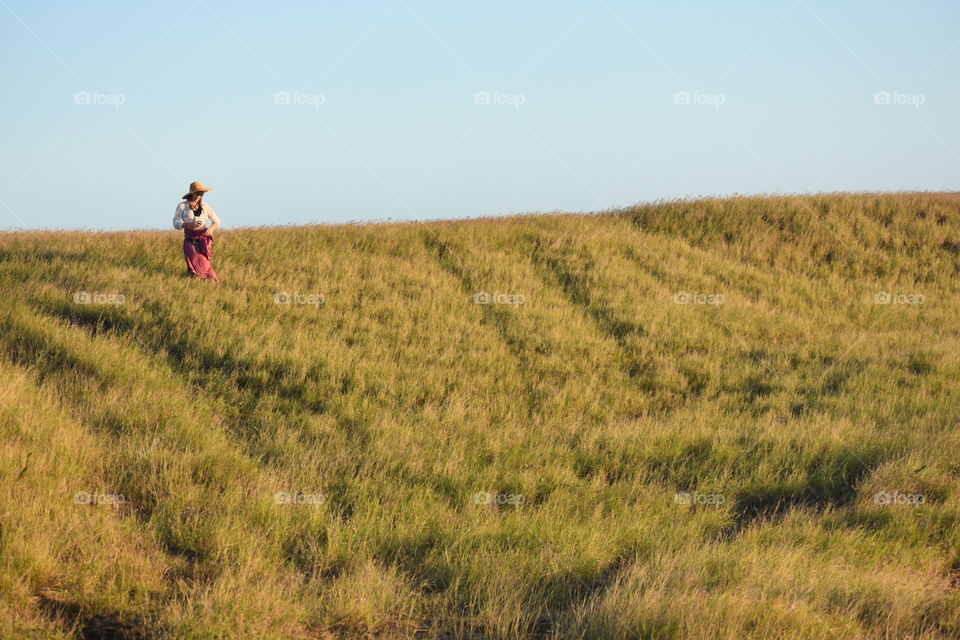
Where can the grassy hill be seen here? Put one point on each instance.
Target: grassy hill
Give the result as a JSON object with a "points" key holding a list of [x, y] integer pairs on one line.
{"points": [[731, 418]]}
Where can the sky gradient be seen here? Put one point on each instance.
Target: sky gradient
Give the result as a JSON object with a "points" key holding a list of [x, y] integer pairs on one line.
{"points": [[307, 112]]}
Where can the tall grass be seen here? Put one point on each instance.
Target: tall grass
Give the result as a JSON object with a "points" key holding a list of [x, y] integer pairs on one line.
{"points": [[718, 418]]}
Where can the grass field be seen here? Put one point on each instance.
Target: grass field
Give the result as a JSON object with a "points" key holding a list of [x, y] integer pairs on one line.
{"points": [[720, 418]]}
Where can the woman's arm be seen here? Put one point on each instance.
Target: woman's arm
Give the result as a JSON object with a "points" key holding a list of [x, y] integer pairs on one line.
{"points": [[177, 220], [213, 218]]}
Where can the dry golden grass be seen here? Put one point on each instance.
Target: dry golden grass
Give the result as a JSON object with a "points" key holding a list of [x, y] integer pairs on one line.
{"points": [[720, 418]]}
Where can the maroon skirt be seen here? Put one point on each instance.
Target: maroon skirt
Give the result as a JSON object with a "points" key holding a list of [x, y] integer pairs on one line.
{"points": [[198, 251]]}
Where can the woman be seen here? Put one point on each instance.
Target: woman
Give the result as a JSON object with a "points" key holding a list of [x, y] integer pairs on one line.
{"points": [[192, 216]]}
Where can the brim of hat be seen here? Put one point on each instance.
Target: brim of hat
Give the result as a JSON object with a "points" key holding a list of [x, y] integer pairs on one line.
{"points": [[204, 190]]}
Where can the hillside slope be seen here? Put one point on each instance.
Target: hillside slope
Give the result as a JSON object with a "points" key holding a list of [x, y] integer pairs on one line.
{"points": [[730, 418]]}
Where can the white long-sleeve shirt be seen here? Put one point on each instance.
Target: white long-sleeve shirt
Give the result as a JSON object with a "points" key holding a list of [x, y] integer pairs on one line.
{"points": [[185, 214]]}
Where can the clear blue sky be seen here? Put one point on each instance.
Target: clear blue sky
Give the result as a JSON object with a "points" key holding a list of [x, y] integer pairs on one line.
{"points": [[110, 109]]}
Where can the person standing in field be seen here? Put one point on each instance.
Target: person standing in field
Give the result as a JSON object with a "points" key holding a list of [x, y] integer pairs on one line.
{"points": [[192, 216]]}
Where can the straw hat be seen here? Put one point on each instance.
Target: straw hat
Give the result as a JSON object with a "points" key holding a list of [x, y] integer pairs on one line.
{"points": [[196, 187]]}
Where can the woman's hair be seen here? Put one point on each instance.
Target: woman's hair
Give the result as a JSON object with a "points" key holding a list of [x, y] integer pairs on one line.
{"points": [[199, 204]]}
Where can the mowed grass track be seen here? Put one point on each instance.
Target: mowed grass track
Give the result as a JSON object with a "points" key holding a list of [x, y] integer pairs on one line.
{"points": [[600, 461]]}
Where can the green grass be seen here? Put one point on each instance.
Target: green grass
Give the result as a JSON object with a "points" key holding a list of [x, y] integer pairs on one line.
{"points": [[399, 406]]}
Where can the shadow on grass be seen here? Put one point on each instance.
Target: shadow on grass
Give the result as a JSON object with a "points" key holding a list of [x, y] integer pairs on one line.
{"points": [[92, 626], [831, 480]]}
